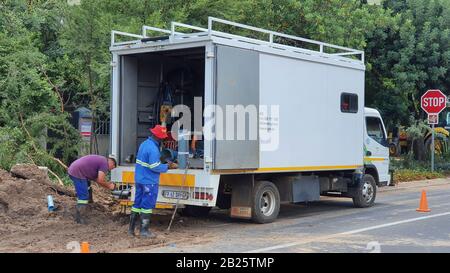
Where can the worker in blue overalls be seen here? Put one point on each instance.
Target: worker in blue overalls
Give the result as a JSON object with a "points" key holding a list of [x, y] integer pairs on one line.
{"points": [[148, 169]]}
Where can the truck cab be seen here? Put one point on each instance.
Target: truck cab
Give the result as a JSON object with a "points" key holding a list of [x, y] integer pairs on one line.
{"points": [[376, 147]]}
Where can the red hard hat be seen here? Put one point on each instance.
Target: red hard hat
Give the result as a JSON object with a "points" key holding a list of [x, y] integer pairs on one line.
{"points": [[159, 131]]}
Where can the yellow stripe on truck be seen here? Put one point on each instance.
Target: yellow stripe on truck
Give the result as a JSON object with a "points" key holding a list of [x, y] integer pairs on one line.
{"points": [[174, 179], [128, 177], [166, 179], [375, 158], [290, 169], [157, 206], [164, 206], [310, 168]]}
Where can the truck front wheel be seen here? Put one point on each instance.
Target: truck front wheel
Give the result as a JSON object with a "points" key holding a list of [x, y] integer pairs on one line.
{"points": [[266, 202], [365, 193]]}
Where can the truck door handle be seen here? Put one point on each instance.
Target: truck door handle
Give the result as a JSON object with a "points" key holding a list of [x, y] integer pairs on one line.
{"points": [[368, 153]]}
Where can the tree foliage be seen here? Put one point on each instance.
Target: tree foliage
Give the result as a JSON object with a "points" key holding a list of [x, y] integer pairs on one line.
{"points": [[55, 57], [30, 107], [409, 54]]}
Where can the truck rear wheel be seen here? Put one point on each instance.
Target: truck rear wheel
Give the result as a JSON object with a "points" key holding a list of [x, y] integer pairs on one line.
{"points": [[365, 192], [266, 202], [195, 211]]}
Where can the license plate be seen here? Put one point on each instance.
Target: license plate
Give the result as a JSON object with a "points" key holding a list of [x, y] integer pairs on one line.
{"points": [[175, 194]]}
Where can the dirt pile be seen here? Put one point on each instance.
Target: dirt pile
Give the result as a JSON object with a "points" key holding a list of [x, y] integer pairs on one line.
{"points": [[23, 197], [26, 225]]}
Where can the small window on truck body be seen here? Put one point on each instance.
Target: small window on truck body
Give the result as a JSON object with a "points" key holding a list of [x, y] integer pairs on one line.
{"points": [[375, 130], [349, 103]]}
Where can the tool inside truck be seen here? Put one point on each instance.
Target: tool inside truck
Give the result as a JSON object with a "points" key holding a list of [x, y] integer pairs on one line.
{"points": [[152, 84]]}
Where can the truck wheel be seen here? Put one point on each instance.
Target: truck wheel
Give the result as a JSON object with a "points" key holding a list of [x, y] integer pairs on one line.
{"points": [[365, 193], [195, 211], [266, 202], [393, 150]]}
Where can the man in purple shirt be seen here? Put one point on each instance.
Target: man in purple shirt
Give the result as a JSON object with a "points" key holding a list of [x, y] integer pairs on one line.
{"points": [[82, 171]]}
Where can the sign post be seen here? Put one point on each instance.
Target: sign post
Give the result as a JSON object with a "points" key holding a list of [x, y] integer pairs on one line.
{"points": [[432, 148], [433, 102]]}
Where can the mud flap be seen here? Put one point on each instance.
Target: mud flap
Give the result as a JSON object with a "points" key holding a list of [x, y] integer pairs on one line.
{"points": [[241, 197], [356, 180]]}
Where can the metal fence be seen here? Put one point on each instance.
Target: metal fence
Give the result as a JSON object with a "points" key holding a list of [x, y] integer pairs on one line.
{"points": [[102, 127]]}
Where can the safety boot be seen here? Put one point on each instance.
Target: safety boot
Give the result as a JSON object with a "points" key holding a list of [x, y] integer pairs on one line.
{"points": [[133, 218], [145, 224]]}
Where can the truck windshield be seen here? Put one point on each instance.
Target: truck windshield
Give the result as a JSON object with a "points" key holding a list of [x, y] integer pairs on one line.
{"points": [[375, 129]]}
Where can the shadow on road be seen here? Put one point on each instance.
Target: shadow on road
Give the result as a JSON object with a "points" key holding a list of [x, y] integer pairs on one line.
{"points": [[288, 211]]}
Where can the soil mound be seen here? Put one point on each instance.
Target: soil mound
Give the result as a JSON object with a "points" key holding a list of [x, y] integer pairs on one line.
{"points": [[26, 225]]}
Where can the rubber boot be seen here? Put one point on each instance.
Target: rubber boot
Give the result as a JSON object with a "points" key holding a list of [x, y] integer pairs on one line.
{"points": [[145, 224], [81, 212], [133, 218]]}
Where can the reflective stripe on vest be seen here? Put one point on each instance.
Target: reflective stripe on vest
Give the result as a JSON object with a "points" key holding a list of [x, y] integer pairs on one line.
{"points": [[133, 209], [151, 166]]}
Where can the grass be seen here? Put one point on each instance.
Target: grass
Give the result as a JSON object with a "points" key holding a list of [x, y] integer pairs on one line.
{"points": [[405, 175]]}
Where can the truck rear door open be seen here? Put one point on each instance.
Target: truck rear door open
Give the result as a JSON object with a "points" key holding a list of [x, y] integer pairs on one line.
{"points": [[237, 84]]}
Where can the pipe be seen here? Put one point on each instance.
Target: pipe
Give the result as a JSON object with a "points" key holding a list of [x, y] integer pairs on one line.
{"points": [[183, 149], [50, 204]]}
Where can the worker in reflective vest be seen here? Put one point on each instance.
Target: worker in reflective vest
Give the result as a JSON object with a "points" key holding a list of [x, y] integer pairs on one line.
{"points": [[147, 171]]}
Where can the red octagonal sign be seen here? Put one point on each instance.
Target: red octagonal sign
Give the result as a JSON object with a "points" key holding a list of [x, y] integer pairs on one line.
{"points": [[433, 101]]}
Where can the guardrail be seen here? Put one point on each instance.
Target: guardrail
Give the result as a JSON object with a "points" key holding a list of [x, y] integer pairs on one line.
{"points": [[270, 42], [274, 34], [115, 33]]}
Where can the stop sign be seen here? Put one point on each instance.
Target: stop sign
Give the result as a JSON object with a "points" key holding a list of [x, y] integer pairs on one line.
{"points": [[433, 101]]}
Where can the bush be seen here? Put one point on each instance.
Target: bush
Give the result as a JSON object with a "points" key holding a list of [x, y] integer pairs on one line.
{"points": [[407, 168], [405, 175], [408, 162]]}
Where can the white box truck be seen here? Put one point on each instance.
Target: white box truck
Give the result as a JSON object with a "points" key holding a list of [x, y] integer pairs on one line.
{"points": [[314, 136]]}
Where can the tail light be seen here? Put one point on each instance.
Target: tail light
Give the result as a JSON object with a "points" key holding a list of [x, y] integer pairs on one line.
{"points": [[203, 196]]}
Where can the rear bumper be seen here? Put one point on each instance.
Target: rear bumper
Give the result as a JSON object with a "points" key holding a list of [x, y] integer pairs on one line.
{"points": [[197, 186]]}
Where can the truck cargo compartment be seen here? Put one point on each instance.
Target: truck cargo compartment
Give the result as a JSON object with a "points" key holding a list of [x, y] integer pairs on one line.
{"points": [[150, 80]]}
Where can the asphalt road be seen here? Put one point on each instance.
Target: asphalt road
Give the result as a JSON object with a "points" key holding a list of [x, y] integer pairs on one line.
{"points": [[334, 225]]}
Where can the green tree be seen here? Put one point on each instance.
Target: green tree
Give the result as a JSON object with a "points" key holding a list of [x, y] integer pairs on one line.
{"points": [[410, 55], [55, 57], [30, 108]]}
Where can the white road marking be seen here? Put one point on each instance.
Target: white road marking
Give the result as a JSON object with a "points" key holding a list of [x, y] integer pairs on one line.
{"points": [[351, 232], [394, 223]]}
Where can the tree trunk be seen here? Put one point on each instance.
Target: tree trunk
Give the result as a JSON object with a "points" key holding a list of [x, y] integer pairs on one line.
{"points": [[418, 148]]}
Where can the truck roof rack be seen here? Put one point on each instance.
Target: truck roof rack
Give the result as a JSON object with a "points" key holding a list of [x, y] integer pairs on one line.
{"points": [[321, 47]]}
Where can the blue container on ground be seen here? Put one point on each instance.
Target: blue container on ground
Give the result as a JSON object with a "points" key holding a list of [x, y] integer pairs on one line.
{"points": [[50, 204]]}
